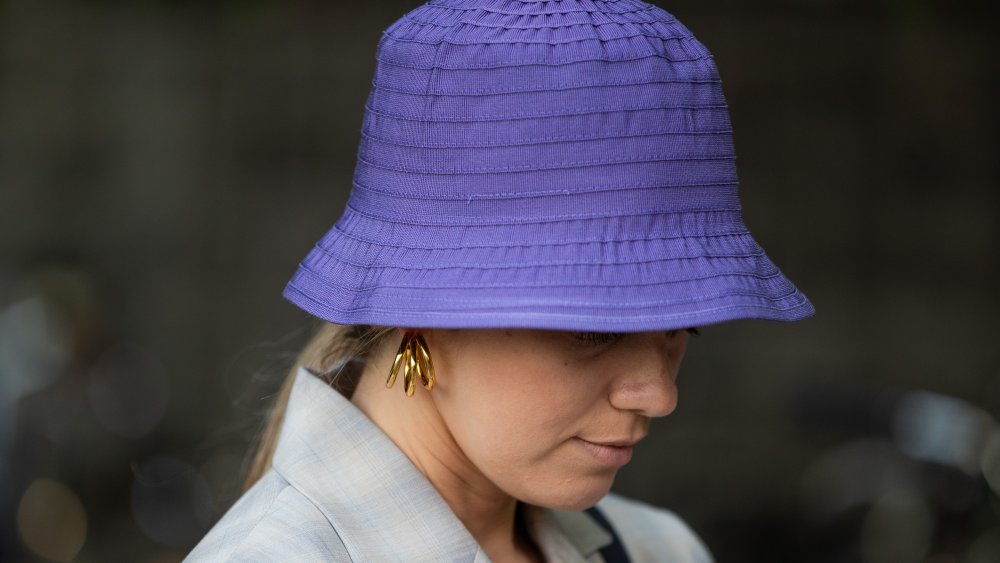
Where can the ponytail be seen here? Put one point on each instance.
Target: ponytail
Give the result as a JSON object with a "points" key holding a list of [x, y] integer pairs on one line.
{"points": [[327, 355]]}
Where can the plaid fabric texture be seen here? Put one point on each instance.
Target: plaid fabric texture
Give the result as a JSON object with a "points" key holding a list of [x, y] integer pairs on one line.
{"points": [[340, 490]]}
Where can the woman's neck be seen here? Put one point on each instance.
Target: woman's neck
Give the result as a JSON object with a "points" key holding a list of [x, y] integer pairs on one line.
{"points": [[413, 424]]}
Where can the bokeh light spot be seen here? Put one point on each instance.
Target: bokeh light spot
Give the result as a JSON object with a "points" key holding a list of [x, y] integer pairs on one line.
{"points": [[941, 429], [34, 347], [897, 529], [171, 502], [52, 521]]}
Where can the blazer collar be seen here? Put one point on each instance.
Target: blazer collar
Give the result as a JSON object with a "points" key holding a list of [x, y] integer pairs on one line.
{"points": [[382, 507], [379, 502]]}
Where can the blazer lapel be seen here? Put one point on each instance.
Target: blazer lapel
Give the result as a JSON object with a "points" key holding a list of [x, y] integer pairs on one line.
{"points": [[379, 503]]}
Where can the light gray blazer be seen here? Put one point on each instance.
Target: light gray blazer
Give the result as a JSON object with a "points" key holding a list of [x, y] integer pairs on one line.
{"points": [[340, 490]]}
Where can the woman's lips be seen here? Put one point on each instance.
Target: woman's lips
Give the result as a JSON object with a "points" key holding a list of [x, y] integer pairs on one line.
{"points": [[612, 455]]}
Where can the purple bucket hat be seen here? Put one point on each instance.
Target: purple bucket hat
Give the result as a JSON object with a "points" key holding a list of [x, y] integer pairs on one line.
{"points": [[561, 164]]}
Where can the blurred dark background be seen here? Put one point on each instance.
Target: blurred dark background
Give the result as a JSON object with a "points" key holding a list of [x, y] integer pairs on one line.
{"points": [[164, 166]]}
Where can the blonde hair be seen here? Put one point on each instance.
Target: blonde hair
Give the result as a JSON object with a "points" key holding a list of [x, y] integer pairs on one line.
{"points": [[328, 354]]}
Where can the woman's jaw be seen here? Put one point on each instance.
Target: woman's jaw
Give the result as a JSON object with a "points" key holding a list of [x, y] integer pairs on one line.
{"points": [[541, 417]]}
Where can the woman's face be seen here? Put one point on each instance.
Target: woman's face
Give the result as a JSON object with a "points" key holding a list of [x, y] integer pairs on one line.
{"points": [[549, 417]]}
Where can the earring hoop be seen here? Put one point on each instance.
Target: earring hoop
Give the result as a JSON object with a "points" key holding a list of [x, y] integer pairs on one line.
{"points": [[414, 359]]}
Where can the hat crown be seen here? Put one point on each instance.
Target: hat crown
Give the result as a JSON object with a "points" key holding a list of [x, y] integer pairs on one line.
{"points": [[482, 103], [554, 23]]}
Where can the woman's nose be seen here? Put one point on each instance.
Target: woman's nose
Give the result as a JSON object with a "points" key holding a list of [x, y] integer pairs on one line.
{"points": [[647, 384]]}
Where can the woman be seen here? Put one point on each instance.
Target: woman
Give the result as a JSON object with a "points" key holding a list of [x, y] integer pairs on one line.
{"points": [[544, 205]]}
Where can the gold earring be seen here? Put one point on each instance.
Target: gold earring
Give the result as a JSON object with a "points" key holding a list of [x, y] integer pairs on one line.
{"points": [[414, 359]]}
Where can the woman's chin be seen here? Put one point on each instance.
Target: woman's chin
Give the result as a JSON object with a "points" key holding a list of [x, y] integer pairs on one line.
{"points": [[574, 498]]}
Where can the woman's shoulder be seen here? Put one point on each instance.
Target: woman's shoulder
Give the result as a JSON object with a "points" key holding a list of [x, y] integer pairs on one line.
{"points": [[273, 521], [650, 533]]}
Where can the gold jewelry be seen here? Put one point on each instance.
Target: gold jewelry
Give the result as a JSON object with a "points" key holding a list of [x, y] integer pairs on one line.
{"points": [[414, 359]]}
